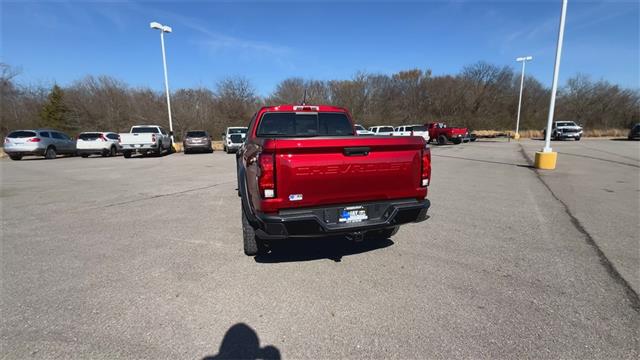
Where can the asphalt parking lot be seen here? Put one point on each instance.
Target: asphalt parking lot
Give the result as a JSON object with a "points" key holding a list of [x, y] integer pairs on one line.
{"points": [[142, 258]]}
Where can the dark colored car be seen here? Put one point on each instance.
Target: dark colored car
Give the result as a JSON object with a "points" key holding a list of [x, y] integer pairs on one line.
{"points": [[634, 133], [197, 140]]}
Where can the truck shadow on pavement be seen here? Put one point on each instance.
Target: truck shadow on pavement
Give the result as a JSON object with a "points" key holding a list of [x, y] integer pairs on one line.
{"points": [[332, 248], [242, 342]]}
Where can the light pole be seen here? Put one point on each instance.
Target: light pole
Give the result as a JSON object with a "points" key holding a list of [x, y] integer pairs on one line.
{"points": [[546, 159], [165, 29], [524, 60]]}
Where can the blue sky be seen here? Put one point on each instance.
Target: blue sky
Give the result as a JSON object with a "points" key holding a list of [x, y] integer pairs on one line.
{"points": [[269, 41]]}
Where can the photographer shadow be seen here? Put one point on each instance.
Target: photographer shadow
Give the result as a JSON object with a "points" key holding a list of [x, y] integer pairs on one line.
{"points": [[242, 343]]}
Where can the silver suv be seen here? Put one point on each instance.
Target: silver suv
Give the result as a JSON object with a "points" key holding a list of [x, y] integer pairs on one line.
{"points": [[41, 142]]}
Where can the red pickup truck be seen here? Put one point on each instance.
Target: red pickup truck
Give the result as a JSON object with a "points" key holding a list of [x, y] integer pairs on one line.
{"points": [[303, 172], [441, 133]]}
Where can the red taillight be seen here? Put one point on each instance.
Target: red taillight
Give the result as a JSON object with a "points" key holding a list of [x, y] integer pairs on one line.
{"points": [[426, 167], [153, 137], [267, 175], [34, 140], [102, 138]]}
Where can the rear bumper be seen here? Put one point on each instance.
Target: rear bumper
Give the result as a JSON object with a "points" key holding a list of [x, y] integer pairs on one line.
{"points": [[322, 221], [196, 145], [139, 147], [22, 151], [92, 151]]}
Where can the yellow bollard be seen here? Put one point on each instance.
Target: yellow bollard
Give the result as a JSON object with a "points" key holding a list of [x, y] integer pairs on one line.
{"points": [[546, 160]]}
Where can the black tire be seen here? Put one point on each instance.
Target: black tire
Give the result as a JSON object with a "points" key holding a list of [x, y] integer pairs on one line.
{"points": [[442, 140], [15, 157], [170, 149], [50, 153], [210, 151], [86, 155], [186, 150], [577, 138], [456, 141], [252, 244], [126, 154], [113, 151]]}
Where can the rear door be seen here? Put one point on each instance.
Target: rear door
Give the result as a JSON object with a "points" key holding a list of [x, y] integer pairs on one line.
{"points": [[59, 142]]}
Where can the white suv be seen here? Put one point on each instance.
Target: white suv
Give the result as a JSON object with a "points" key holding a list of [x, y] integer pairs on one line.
{"points": [[101, 143]]}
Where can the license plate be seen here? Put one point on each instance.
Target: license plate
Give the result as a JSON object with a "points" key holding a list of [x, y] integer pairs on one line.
{"points": [[352, 214]]}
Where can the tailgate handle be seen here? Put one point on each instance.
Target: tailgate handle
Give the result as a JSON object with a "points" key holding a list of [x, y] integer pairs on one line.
{"points": [[357, 151]]}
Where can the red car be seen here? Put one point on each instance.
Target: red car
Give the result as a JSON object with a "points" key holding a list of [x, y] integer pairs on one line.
{"points": [[303, 172], [441, 133]]}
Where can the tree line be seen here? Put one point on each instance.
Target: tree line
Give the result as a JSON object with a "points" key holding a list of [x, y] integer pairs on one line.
{"points": [[481, 96]]}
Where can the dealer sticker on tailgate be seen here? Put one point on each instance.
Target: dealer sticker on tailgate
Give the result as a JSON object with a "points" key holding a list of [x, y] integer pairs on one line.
{"points": [[352, 214]]}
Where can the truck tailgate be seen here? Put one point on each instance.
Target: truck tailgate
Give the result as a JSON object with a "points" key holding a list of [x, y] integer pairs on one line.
{"points": [[324, 171], [136, 138]]}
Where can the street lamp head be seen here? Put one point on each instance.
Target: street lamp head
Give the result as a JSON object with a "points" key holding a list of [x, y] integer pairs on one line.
{"points": [[166, 29], [155, 25], [524, 58]]}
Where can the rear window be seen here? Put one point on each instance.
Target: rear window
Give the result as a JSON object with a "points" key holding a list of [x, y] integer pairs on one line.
{"points": [[417, 128], [113, 136], [44, 134], [237, 131], [359, 127], [385, 129], [89, 136], [304, 125], [196, 134], [145, 130], [21, 134]]}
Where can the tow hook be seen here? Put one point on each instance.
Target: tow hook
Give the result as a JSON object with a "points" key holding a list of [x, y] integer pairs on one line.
{"points": [[357, 236]]}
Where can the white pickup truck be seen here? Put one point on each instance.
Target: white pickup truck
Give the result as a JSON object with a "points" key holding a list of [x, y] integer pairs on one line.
{"points": [[145, 139], [412, 130]]}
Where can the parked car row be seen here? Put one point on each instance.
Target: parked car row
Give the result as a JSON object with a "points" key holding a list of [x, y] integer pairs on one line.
{"points": [[439, 132], [141, 139]]}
